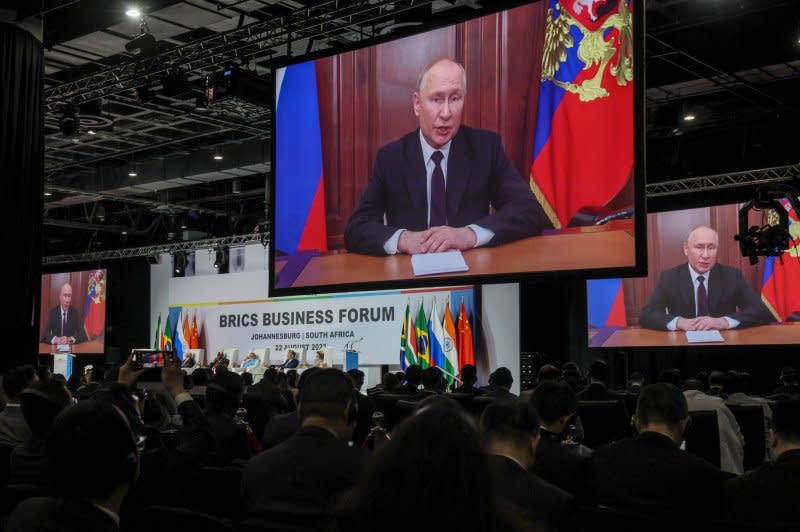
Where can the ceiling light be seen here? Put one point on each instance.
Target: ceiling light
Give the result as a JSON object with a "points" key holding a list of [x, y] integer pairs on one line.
{"points": [[688, 117], [91, 132], [124, 233], [47, 194], [133, 12], [217, 156], [132, 173]]}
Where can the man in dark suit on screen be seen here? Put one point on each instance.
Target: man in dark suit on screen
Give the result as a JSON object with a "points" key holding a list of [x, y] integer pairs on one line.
{"points": [[703, 295], [432, 190], [64, 325]]}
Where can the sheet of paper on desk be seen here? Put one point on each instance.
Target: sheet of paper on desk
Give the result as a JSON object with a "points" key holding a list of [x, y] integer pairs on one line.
{"points": [[697, 337], [433, 263]]}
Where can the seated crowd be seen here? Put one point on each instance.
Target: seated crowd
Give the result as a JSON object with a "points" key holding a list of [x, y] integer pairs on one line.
{"points": [[312, 452]]}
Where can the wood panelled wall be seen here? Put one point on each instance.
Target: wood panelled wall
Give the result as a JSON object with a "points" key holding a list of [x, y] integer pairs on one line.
{"points": [[365, 97], [666, 232]]}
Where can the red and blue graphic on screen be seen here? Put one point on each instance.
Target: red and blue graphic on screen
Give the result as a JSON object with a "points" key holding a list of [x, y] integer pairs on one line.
{"points": [[583, 147], [606, 303], [781, 281], [299, 189]]}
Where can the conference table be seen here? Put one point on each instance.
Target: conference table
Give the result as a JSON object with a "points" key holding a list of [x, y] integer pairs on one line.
{"points": [[593, 247], [774, 334], [83, 348]]}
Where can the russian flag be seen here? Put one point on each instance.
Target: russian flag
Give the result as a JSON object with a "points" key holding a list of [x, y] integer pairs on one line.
{"points": [[583, 145], [299, 186], [780, 290], [606, 303]]}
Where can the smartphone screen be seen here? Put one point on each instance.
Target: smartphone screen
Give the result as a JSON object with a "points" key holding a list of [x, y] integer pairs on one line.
{"points": [[151, 358]]}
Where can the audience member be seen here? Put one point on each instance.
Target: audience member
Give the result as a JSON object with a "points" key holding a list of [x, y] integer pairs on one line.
{"points": [[597, 390], [281, 427], [13, 428], [789, 383], [469, 376], [731, 439], [500, 382], [548, 373], [558, 460], [435, 468], [413, 378], [366, 407], [93, 462], [231, 438], [649, 473], [717, 382], [635, 383], [672, 376], [432, 382], [737, 397], [510, 432], [767, 496], [571, 375], [40, 402], [294, 482]]}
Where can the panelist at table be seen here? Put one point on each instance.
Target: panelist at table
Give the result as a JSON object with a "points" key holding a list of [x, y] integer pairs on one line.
{"points": [[432, 189], [703, 295]]}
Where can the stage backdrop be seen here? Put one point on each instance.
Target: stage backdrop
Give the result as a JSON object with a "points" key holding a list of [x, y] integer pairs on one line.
{"points": [[493, 312]]}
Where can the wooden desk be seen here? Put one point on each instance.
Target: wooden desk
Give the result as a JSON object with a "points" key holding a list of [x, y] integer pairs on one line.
{"points": [[609, 246], [95, 347], [776, 334]]}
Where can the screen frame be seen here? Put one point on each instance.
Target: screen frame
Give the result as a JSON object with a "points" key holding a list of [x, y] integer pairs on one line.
{"points": [[639, 268]]}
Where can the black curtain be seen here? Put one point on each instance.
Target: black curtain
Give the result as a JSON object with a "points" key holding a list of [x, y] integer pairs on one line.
{"points": [[22, 174]]}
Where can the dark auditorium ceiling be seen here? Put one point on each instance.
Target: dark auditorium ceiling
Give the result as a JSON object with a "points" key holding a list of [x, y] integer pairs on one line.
{"points": [[733, 64]]}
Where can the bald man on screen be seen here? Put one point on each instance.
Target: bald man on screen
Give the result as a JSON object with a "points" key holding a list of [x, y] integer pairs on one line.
{"points": [[703, 295], [64, 325], [434, 189]]}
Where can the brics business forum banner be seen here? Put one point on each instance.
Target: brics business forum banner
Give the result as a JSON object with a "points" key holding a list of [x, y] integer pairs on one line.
{"points": [[371, 321]]}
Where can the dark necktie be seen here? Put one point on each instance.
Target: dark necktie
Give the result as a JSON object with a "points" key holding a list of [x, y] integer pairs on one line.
{"points": [[438, 198], [702, 297], [63, 320]]}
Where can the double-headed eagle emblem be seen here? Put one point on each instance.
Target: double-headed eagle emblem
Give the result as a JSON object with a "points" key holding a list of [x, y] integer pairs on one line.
{"points": [[594, 48]]}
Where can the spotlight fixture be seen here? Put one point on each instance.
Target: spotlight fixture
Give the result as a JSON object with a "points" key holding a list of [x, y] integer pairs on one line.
{"points": [[179, 263], [143, 45], [47, 194], [133, 12], [92, 132], [218, 156], [132, 173], [101, 213], [68, 123], [688, 117], [221, 259], [236, 186], [124, 233]]}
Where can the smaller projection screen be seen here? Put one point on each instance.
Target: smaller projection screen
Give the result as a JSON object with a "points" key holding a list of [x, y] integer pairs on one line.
{"points": [[534, 116], [72, 317], [746, 304]]}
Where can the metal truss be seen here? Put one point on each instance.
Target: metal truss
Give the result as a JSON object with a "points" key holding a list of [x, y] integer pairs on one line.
{"points": [[154, 205], [329, 19], [715, 182], [147, 251]]}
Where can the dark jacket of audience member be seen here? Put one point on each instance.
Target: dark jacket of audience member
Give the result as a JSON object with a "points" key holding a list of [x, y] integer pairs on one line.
{"points": [[435, 468], [294, 482], [768, 496], [413, 378], [366, 407], [93, 462], [559, 462], [223, 398], [500, 382], [41, 402], [13, 428], [510, 432], [469, 376], [649, 473]]}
